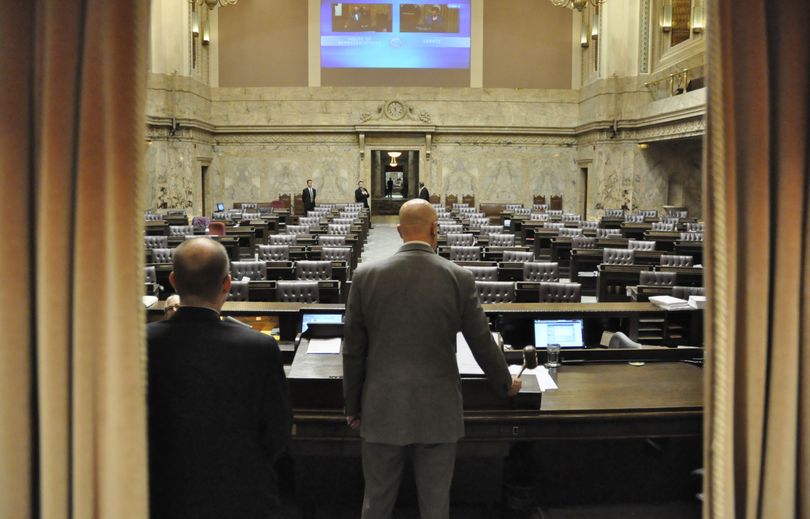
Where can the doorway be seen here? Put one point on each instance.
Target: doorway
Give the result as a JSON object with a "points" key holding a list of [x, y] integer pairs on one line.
{"points": [[394, 179]]}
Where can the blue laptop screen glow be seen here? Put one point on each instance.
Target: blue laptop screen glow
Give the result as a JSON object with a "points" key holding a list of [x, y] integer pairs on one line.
{"points": [[565, 332], [309, 318]]}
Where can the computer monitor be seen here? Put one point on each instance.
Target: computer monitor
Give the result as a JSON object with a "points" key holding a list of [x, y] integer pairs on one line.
{"points": [[565, 332], [507, 223], [308, 318], [220, 206]]}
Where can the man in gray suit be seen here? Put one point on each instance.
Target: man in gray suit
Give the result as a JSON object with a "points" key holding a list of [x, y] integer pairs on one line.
{"points": [[400, 378]]}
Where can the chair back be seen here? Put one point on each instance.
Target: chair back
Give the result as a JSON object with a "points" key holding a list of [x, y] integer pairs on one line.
{"points": [[641, 245], [608, 233], [339, 228], [618, 256], [541, 271], [570, 232], [556, 292], [495, 291], [181, 230], [255, 270], [298, 229], [691, 236], [332, 240], [517, 256], [656, 278], [162, 255], [155, 242], [465, 253], [663, 226], [501, 240], [216, 229], [487, 230], [240, 291], [685, 292], [484, 273], [675, 260], [614, 213], [273, 252], [281, 239], [337, 254], [583, 242], [460, 238], [313, 270], [297, 291]]}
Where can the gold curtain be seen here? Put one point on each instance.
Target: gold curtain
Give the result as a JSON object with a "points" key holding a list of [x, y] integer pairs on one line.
{"points": [[72, 407], [758, 258]]}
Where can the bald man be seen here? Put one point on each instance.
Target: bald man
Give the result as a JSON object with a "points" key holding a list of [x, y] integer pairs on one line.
{"points": [[400, 378], [219, 408]]}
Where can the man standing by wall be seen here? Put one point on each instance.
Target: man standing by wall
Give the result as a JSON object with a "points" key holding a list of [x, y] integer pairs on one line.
{"points": [[424, 194], [361, 197], [308, 196], [219, 407], [400, 378]]}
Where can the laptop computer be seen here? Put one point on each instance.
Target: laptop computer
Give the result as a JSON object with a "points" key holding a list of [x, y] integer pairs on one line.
{"points": [[220, 207], [308, 318], [565, 332]]}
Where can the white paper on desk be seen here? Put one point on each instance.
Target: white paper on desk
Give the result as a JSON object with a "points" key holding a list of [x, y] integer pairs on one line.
{"points": [[149, 300], [544, 380], [467, 364], [324, 345]]}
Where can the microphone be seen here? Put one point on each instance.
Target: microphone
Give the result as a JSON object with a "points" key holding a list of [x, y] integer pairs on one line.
{"points": [[529, 359]]}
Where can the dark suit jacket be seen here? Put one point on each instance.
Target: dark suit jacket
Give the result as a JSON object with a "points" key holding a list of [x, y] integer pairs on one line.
{"points": [[360, 196], [309, 203], [424, 194], [399, 365], [219, 417]]}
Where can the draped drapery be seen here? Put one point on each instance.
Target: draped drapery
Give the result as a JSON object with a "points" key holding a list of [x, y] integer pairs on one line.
{"points": [[758, 259], [72, 407]]}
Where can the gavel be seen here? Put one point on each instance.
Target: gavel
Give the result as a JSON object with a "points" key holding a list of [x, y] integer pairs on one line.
{"points": [[529, 359]]}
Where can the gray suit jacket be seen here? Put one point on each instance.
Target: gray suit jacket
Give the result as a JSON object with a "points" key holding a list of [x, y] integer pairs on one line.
{"points": [[399, 366]]}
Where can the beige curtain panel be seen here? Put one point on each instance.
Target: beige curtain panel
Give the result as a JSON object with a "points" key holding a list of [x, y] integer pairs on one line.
{"points": [[72, 407], [758, 251]]}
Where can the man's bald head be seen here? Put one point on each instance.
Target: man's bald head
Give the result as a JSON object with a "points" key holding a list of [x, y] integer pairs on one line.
{"points": [[417, 222], [200, 268]]}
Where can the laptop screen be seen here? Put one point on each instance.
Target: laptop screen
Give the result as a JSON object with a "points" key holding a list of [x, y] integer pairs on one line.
{"points": [[308, 318], [220, 206], [565, 332]]}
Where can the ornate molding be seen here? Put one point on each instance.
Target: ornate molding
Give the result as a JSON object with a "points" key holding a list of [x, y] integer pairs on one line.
{"points": [[396, 110], [286, 138], [690, 128], [505, 140], [644, 38]]}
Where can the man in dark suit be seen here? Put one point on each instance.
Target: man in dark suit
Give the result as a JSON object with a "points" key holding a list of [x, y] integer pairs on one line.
{"points": [[308, 196], [400, 378], [219, 408], [361, 197], [424, 194]]}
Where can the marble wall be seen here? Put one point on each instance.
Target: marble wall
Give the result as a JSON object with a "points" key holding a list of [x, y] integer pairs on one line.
{"points": [[501, 145]]}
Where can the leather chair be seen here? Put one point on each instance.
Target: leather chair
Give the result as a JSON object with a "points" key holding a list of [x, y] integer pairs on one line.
{"points": [[449, 228], [281, 239], [339, 228], [255, 270], [674, 260], [495, 291], [670, 219], [608, 233], [554, 225], [556, 292], [297, 230], [685, 292], [694, 227], [221, 216], [181, 230], [555, 212], [570, 232], [251, 216], [245, 206], [656, 278], [311, 221], [513, 207], [477, 221], [239, 291], [691, 236], [465, 209], [539, 208], [150, 281], [156, 242], [343, 221], [273, 252], [149, 217], [648, 213], [162, 255], [614, 213], [538, 217], [297, 291], [450, 201], [469, 200], [484, 273], [663, 226], [313, 270], [458, 238], [331, 240], [517, 256], [634, 218], [522, 211], [589, 224], [678, 213], [465, 253], [337, 254], [641, 245], [216, 229], [619, 341], [618, 256], [487, 230], [583, 242], [501, 240], [541, 271], [571, 218]]}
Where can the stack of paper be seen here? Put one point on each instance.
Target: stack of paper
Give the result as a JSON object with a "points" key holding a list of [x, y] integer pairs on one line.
{"points": [[670, 303], [697, 301]]}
